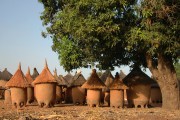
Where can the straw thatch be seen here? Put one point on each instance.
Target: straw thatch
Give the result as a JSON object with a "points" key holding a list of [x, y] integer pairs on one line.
{"points": [[78, 80], [18, 79], [108, 81], [122, 75], [60, 80], [29, 77], [136, 76], [68, 77], [93, 82], [35, 74], [118, 83], [45, 76], [5, 75], [105, 75]]}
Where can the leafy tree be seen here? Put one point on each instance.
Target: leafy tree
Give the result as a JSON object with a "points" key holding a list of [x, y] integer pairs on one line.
{"points": [[157, 37], [113, 33]]}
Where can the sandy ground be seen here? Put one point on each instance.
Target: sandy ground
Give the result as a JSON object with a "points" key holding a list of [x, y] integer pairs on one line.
{"points": [[71, 112]]}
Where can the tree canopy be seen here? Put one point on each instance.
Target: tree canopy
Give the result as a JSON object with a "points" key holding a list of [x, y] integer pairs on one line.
{"points": [[88, 31]]}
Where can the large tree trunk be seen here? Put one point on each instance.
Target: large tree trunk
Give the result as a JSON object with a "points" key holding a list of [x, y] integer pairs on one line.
{"points": [[164, 72]]}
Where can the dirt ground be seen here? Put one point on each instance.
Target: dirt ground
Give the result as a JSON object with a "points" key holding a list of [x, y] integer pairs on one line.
{"points": [[71, 112]]}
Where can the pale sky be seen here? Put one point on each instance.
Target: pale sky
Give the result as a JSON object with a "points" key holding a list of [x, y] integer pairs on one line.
{"points": [[21, 40]]}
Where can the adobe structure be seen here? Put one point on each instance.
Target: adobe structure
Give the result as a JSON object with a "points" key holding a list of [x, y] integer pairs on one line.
{"points": [[45, 88], [68, 90], [30, 88], [18, 86], [61, 83], [139, 90], [117, 92], [7, 97], [94, 87], [106, 91], [122, 75], [78, 93]]}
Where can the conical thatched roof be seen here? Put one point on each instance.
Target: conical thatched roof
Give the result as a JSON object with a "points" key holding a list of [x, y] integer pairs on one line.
{"points": [[108, 81], [136, 76], [29, 77], [122, 75], [78, 80], [118, 83], [93, 82], [68, 78], [60, 80], [18, 79], [35, 73], [105, 75], [45, 76], [5, 75]]}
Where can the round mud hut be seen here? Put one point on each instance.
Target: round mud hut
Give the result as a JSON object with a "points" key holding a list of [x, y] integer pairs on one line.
{"points": [[61, 83], [139, 84], [106, 90], [45, 88], [68, 90], [117, 92], [30, 88], [78, 93], [94, 87], [18, 86]]}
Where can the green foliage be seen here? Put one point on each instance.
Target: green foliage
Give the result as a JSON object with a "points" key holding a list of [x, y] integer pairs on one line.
{"points": [[87, 31], [157, 29], [111, 32]]}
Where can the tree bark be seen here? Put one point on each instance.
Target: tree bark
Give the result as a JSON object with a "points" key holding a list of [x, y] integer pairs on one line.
{"points": [[165, 74]]}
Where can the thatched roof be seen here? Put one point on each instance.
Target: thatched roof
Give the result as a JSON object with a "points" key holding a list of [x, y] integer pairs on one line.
{"points": [[18, 79], [78, 80], [35, 73], [29, 77], [118, 83], [5, 75], [105, 75], [45, 76], [108, 81], [122, 75], [68, 77], [93, 82], [60, 80], [136, 76]]}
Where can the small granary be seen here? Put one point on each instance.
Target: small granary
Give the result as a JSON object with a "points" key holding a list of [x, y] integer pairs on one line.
{"points": [[18, 86], [139, 85], [106, 91], [94, 87], [117, 92], [61, 83], [68, 90], [78, 93], [45, 88], [35, 73], [30, 88], [122, 75]]}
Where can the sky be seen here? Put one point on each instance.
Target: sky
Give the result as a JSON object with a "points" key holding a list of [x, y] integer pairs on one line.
{"points": [[21, 40]]}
